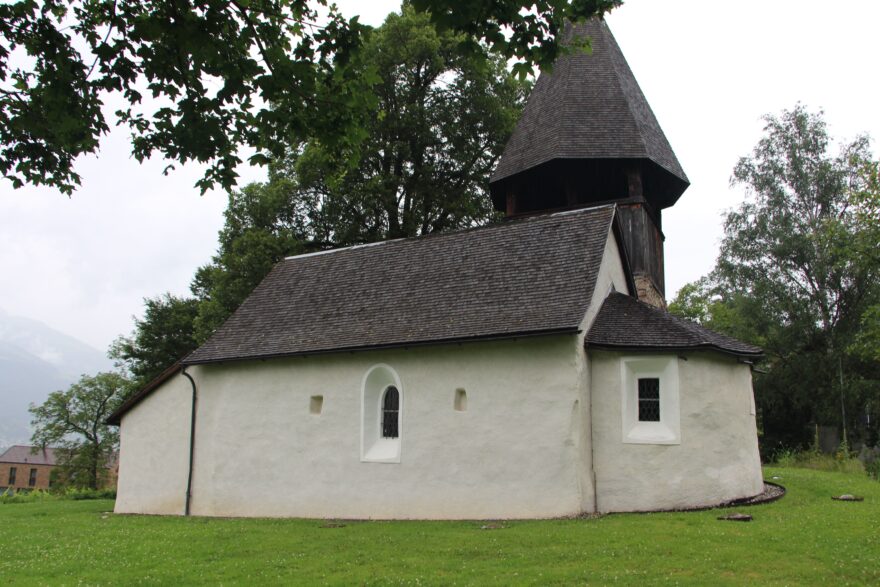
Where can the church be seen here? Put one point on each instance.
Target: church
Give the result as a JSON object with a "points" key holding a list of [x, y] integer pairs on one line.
{"points": [[525, 369]]}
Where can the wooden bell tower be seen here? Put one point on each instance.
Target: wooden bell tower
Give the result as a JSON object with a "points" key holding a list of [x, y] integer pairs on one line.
{"points": [[588, 137]]}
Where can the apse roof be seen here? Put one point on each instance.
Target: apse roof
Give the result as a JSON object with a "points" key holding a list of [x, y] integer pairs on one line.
{"points": [[625, 323]]}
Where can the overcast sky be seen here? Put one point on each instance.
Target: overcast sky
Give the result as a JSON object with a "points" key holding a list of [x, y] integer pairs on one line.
{"points": [[710, 70]]}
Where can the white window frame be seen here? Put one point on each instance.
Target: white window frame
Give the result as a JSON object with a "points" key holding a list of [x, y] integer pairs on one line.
{"points": [[374, 447], [664, 368]]}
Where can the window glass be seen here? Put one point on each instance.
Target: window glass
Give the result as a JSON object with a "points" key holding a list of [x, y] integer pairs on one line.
{"points": [[11, 475], [649, 400], [32, 480], [390, 410]]}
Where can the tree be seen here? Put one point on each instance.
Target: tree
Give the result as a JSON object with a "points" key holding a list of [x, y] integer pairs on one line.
{"points": [[263, 224], [794, 275], [866, 201], [442, 123], [73, 421], [224, 75], [164, 336]]}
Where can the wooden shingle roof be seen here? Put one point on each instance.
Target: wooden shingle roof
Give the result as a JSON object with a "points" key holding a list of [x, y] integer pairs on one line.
{"points": [[589, 106], [523, 277], [625, 323]]}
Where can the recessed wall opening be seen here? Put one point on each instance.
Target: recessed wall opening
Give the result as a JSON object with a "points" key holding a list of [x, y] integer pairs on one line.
{"points": [[383, 401], [460, 400], [316, 404]]}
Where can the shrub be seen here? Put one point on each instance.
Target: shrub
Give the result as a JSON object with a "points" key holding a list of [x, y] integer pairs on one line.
{"points": [[78, 494], [25, 496], [841, 461]]}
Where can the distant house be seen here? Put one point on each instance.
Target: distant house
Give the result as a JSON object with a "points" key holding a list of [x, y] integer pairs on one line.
{"points": [[30, 467], [21, 468]]}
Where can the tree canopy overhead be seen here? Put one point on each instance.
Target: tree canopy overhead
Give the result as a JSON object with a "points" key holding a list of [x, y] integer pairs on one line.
{"points": [[222, 75], [441, 123]]}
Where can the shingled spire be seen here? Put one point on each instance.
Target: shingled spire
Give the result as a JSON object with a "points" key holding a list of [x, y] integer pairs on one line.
{"points": [[587, 135]]}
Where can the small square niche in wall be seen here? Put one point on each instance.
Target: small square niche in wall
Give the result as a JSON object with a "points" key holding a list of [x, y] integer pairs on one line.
{"points": [[460, 400], [316, 404]]}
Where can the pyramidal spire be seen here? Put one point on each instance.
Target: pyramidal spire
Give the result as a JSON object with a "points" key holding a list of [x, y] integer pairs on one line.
{"points": [[587, 130]]}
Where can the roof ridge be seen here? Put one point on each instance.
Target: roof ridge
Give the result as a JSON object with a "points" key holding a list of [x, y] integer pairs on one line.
{"points": [[503, 223], [618, 80]]}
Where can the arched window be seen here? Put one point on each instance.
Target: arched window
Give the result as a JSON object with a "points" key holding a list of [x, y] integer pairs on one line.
{"points": [[382, 413], [390, 411]]}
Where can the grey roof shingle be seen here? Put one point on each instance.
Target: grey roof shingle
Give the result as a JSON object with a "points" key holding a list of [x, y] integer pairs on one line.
{"points": [[589, 107], [624, 322], [527, 276]]}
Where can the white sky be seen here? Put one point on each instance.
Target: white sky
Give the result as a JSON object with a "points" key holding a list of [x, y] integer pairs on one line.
{"points": [[710, 70]]}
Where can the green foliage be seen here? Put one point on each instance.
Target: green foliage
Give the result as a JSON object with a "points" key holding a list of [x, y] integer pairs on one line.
{"points": [[866, 202], [19, 496], [803, 539], [442, 122], [73, 422], [841, 462], [873, 469], [799, 275], [226, 75], [264, 223], [162, 337], [68, 493], [522, 31], [85, 493]]}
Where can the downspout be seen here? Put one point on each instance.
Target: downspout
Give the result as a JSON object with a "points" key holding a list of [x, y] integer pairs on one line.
{"points": [[192, 442], [592, 438]]}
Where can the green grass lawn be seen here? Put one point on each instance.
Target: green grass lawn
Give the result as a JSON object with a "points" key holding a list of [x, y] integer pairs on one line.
{"points": [[805, 538]]}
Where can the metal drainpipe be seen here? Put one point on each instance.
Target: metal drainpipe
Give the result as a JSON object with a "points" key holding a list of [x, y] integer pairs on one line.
{"points": [[593, 445], [192, 441]]}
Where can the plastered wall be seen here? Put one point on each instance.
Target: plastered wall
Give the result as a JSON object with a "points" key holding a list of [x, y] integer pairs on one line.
{"points": [[717, 459], [515, 451], [154, 451]]}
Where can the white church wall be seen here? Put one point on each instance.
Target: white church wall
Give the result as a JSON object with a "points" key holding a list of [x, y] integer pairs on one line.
{"points": [[716, 458], [154, 451], [512, 451], [611, 277]]}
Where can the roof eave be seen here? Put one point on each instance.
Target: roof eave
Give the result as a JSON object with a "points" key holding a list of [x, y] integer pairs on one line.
{"points": [[674, 348], [395, 345]]}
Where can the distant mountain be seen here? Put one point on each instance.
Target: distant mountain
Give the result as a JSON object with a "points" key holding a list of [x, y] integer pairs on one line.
{"points": [[36, 360]]}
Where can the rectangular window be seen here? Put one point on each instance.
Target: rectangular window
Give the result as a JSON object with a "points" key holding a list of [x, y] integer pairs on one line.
{"points": [[32, 480], [649, 400], [11, 476]]}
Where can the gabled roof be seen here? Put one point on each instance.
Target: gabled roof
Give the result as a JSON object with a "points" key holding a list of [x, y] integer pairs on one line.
{"points": [[589, 106], [23, 455], [625, 323], [522, 277]]}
